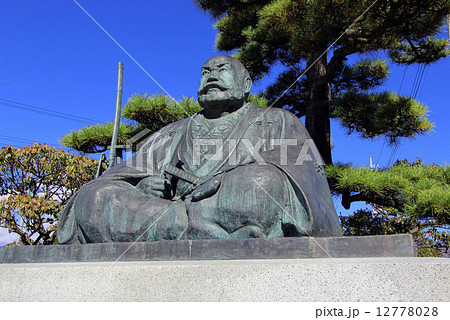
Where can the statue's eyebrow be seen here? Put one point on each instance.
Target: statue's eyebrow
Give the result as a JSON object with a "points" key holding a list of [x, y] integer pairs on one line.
{"points": [[218, 66]]}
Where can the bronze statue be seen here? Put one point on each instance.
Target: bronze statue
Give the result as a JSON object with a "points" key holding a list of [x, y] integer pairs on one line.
{"points": [[231, 171]]}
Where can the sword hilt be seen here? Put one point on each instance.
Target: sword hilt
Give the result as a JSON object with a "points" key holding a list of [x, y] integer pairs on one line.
{"points": [[183, 175]]}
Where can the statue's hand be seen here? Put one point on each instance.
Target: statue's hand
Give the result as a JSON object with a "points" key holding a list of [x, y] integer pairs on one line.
{"points": [[206, 189], [157, 186]]}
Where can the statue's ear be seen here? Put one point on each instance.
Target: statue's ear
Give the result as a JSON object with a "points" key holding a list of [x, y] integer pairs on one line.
{"points": [[247, 84]]}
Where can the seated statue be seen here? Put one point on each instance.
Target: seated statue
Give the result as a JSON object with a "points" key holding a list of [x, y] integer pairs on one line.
{"points": [[232, 170]]}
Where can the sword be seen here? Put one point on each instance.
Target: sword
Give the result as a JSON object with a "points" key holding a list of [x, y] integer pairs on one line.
{"points": [[183, 175]]}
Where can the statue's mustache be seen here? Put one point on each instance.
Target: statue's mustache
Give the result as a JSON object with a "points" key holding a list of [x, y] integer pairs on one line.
{"points": [[210, 85]]}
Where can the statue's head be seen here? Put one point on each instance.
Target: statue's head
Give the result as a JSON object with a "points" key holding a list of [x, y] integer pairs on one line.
{"points": [[224, 85]]}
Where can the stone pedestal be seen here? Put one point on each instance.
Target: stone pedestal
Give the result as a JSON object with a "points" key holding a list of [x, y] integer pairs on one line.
{"points": [[337, 279], [281, 269], [399, 245]]}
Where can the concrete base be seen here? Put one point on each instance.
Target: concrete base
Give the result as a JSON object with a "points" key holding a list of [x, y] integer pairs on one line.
{"points": [[344, 279]]}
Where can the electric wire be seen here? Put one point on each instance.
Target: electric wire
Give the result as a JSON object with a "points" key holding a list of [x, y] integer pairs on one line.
{"points": [[379, 155], [417, 81], [417, 84], [21, 140], [2, 137], [393, 154], [423, 81], [403, 78], [384, 141], [413, 87], [420, 84], [52, 92], [44, 111], [9, 144]]}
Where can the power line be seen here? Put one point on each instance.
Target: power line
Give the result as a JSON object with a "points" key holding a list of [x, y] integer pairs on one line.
{"points": [[419, 85], [393, 153], [52, 92], [384, 141], [424, 80], [381, 151], [414, 91], [21, 140], [403, 78], [12, 145], [414, 82], [48, 112], [17, 139], [417, 81]]}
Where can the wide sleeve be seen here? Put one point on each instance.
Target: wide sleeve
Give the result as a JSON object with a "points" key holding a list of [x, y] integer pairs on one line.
{"points": [[300, 160]]}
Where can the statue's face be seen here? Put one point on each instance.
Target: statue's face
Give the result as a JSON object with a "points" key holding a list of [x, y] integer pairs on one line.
{"points": [[222, 80]]}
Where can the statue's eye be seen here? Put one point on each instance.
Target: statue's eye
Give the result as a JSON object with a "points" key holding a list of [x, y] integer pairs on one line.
{"points": [[222, 69], [205, 72]]}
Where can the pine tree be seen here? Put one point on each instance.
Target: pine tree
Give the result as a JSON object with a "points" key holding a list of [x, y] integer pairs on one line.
{"points": [[407, 198], [139, 113], [317, 38]]}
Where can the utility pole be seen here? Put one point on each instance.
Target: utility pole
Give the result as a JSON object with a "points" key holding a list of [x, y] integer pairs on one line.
{"points": [[113, 150], [448, 25]]}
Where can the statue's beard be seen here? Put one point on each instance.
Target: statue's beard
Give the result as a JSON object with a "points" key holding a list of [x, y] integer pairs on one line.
{"points": [[223, 101]]}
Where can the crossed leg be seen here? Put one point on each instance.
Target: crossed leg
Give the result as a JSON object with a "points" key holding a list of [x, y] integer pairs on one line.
{"points": [[250, 203]]}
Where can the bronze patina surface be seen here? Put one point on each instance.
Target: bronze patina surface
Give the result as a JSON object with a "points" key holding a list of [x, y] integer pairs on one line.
{"points": [[231, 171]]}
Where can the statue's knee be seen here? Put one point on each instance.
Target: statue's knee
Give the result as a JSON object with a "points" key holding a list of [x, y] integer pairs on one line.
{"points": [[95, 199], [251, 198], [266, 177]]}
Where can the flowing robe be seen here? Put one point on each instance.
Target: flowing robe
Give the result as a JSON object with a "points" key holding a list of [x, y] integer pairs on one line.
{"points": [[252, 173]]}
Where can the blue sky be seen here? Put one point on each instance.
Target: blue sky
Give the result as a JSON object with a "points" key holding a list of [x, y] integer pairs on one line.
{"points": [[54, 56]]}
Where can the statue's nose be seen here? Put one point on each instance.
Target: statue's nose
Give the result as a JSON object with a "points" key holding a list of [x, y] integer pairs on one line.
{"points": [[212, 77]]}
